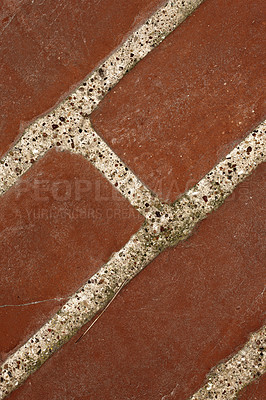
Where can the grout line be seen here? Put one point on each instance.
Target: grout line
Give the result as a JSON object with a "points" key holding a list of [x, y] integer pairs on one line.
{"points": [[227, 379], [37, 139], [89, 144], [163, 229], [103, 311], [234, 168], [61, 124], [140, 43]]}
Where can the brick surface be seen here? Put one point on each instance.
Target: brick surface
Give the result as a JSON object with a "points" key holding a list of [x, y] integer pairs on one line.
{"points": [[57, 229], [188, 310], [47, 47], [171, 118], [185, 105], [254, 391]]}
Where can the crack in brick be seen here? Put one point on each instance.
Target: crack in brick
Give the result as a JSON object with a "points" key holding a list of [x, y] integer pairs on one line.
{"points": [[33, 302]]}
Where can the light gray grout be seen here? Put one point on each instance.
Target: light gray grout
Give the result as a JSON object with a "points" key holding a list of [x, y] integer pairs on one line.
{"points": [[89, 144], [134, 49]]}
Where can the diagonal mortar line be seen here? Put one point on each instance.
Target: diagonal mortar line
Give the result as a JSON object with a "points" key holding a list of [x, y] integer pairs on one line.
{"points": [[64, 121], [78, 310], [227, 379], [211, 191], [140, 43], [165, 228]]}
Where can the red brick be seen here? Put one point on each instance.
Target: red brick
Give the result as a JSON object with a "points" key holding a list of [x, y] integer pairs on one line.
{"points": [[183, 107], [47, 47], [57, 229], [255, 391], [191, 308]]}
